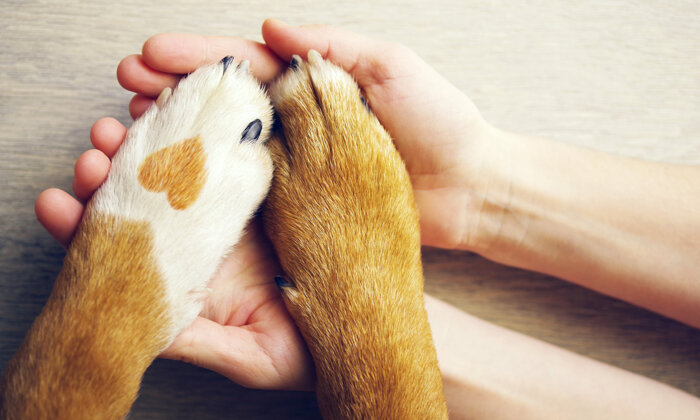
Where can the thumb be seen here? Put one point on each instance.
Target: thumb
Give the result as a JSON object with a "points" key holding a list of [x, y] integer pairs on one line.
{"points": [[359, 55]]}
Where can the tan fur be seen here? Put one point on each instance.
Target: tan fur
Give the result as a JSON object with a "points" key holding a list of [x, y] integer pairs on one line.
{"points": [[343, 220], [94, 345], [178, 170]]}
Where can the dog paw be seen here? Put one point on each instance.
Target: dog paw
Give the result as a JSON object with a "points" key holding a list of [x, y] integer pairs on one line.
{"points": [[192, 171], [341, 208], [342, 218]]}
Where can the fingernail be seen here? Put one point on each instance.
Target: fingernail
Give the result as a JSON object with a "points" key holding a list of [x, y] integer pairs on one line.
{"points": [[281, 282], [279, 22]]}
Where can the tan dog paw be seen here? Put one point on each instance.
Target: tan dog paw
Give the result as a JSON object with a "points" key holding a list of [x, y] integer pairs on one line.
{"points": [[343, 220]]}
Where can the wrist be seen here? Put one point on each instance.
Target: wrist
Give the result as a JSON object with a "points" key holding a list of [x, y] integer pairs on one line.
{"points": [[518, 195], [489, 186]]}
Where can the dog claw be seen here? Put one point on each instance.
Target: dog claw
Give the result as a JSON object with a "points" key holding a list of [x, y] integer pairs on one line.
{"points": [[252, 131], [296, 61], [364, 103], [227, 61], [314, 57], [245, 65], [163, 97], [281, 282]]}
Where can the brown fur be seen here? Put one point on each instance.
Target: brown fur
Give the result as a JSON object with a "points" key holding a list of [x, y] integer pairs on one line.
{"points": [[86, 353], [178, 170], [343, 220]]}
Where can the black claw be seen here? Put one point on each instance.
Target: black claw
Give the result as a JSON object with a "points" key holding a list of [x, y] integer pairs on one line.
{"points": [[252, 132], [296, 61], [276, 122], [281, 282], [227, 61]]}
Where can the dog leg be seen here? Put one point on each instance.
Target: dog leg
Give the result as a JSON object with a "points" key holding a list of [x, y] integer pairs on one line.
{"points": [[343, 220], [182, 187]]}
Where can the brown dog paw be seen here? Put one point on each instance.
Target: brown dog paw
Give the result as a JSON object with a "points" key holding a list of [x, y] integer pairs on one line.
{"points": [[341, 209], [343, 220]]}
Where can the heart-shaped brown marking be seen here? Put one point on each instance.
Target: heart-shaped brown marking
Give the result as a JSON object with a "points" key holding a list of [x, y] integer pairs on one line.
{"points": [[178, 170]]}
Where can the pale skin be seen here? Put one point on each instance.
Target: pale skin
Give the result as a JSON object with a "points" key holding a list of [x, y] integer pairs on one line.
{"points": [[532, 203]]}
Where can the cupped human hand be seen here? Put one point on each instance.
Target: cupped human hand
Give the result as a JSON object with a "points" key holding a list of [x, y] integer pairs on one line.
{"points": [[438, 131], [244, 331]]}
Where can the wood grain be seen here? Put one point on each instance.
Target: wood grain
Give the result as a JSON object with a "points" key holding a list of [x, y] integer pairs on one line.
{"points": [[618, 76]]}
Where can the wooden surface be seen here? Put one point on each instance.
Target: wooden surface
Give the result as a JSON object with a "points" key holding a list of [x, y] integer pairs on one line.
{"points": [[618, 76]]}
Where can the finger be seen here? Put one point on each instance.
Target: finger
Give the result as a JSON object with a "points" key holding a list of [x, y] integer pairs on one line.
{"points": [[138, 105], [107, 134], [183, 53], [59, 213], [91, 170], [358, 55], [135, 75]]}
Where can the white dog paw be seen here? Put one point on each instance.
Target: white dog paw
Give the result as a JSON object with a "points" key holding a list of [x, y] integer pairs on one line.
{"points": [[194, 168]]}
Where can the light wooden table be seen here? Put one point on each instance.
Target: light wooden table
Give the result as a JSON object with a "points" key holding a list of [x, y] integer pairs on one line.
{"points": [[618, 76]]}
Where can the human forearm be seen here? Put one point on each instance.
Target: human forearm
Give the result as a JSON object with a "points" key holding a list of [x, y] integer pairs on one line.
{"points": [[624, 227], [491, 372]]}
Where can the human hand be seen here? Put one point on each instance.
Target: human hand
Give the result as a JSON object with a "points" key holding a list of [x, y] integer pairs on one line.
{"points": [[438, 131], [436, 128], [244, 331]]}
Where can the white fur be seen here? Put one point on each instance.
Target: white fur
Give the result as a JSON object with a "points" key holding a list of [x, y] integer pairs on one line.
{"points": [[190, 243]]}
